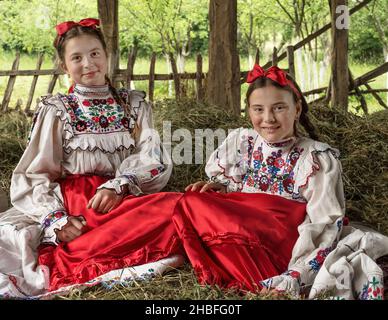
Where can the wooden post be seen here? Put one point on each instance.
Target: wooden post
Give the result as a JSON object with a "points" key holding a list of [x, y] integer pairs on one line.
{"points": [[275, 56], [130, 65], [175, 76], [339, 58], [33, 84], [10, 85], [257, 57], [376, 96], [198, 79], [223, 80], [364, 106], [108, 14], [54, 78], [291, 63], [151, 83]]}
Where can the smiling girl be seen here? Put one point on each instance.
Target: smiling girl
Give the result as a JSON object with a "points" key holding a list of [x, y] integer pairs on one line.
{"points": [[279, 203], [84, 193]]}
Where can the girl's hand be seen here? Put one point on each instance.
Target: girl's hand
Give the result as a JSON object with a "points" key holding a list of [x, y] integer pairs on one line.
{"points": [[105, 200], [71, 230], [203, 186]]}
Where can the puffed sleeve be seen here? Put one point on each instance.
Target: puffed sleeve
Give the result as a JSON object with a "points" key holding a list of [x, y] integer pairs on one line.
{"points": [[226, 164], [148, 168], [320, 232], [34, 190]]}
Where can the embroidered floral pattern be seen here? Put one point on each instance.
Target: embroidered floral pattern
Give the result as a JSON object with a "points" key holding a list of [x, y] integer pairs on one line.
{"points": [[317, 262], [275, 173], [53, 217], [97, 115], [156, 171], [372, 290]]}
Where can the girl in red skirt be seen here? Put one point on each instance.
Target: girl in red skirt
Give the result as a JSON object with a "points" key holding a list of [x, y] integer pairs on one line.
{"points": [[277, 202], [79, 192]]}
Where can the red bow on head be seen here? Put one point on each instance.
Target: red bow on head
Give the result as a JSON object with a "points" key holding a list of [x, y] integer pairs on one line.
{"points": [[63, 27], [274, 73]]}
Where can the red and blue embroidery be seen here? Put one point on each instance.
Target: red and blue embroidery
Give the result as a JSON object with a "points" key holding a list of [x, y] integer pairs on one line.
{"points": [[317, 262], [53, 217], [96, 115], [275, 174], [372, 290]]}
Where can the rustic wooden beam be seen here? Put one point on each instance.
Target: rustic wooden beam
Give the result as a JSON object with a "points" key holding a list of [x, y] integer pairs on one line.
{"points": [[10, 85], [361, 98], [131, 64], [378, 71], [28, 73], [376, 96], [223, 80], [33, 84], [175, 76], [198, 80], [275, 56], [291, 63], [54, 78], [339, 60], [151, 83], [108, 14]]}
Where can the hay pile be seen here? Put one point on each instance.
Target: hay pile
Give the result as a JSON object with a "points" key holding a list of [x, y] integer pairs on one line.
{"points": [[363, 143], [189, 115], [14, 131], [364, 155]]}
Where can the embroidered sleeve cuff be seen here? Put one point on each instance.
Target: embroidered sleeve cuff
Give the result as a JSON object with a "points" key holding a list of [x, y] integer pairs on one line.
{"points": [[51, 222], [118, 183], [288, 281], [230, 185]]}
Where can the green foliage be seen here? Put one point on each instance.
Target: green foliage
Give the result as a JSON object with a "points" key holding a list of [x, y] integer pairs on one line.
{"points": [[29, 26], [163, 25], [368, 32], [181, 26]]}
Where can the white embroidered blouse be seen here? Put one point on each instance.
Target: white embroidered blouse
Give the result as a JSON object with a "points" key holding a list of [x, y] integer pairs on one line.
{"points": [[87, 132], [299, 169]]}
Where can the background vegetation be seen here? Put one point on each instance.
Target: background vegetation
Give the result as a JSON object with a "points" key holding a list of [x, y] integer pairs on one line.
{"points": [[181, 27]]}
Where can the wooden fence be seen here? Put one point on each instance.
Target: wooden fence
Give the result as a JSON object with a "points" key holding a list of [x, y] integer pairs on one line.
{"points": [[125, 76]]}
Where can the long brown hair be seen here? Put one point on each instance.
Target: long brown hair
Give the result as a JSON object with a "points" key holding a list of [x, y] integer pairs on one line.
{"points": [[60, 44], [303, 119]]}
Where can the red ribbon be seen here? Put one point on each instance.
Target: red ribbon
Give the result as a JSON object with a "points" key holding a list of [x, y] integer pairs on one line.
{"points": [[63, 27], [274, 73]]}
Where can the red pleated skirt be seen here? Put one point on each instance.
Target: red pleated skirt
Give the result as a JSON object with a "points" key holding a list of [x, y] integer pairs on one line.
{"points": [[231, 240]]}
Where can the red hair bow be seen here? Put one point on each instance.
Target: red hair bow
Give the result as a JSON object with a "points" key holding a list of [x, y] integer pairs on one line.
{"points": [[63, 27], [274, 73]]}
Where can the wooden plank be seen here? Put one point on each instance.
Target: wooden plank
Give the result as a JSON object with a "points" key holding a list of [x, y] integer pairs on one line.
{"points": [[376, 96], [198, 80], [275, 56], [257, 56], [108, 14], [151, 83], [371, 74], [175, 76], [54, 78], [33, 84], [223, 79], [130, 65], [364, 106], [10, 85], [28, 73], [339, 60], [291, 61]]}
